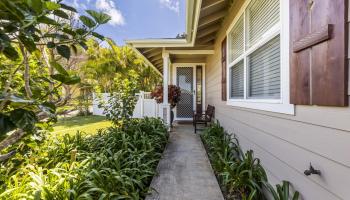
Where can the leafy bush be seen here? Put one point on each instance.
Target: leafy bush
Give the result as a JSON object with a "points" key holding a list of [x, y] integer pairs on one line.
{"points": [[116, 163], [37, 39], [121, 104], [283, 192], [241, 176]]}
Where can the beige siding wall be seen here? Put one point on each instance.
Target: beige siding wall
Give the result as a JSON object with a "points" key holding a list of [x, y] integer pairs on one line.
{"points": [[287, 144]]}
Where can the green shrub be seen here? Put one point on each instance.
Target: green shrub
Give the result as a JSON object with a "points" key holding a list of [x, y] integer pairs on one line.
{"points": [[241, 176], [282, 192], [116, 163]]}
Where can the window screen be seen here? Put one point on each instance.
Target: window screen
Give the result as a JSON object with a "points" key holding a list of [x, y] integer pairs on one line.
{"points": [[237, 80], [261, 15], [264, 71]]}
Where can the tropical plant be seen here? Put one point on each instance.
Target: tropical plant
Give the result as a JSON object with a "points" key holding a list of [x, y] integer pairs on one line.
{"points": [[174, 94], [241, 176], [245, 177], [38, 37], [283, 192], [121, 104], [104, 63], [116, 163]]}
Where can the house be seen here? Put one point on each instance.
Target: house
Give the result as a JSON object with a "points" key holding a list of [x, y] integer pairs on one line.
{"points": [[277, 73]]}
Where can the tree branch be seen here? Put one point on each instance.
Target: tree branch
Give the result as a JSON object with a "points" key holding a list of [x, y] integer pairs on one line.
{"points": [[13, 138], [26, 75], [7, 156]]}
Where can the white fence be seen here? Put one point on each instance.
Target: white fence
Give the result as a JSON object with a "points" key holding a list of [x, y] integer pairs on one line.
{"points": [[145, 106]]}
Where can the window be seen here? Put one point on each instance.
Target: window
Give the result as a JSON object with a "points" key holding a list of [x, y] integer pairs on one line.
{"points": [[264, 71], [258, 71], [237, 80]]}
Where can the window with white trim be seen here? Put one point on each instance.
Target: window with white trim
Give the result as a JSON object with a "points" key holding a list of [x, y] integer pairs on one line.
{"points": [[255, 57]]}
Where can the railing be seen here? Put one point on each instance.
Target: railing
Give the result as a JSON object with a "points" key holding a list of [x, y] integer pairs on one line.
{"points": [[145, 106]]}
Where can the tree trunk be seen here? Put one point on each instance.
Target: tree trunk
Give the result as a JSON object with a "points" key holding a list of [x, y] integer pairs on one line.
{"points": [[7, 156], [26, 75], [13, 138], [51, 71]]}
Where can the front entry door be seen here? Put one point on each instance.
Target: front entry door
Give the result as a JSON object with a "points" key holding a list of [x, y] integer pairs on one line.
{"points": [[186, 78]]}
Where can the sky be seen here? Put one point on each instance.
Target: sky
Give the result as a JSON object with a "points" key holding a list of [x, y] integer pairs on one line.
{"points": [[137, 19]]}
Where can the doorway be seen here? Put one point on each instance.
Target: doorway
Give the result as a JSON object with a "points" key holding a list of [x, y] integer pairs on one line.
{"points": [[190, 79]]}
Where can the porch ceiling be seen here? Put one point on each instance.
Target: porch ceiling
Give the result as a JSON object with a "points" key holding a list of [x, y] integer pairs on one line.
{"points": [[211, 14]]}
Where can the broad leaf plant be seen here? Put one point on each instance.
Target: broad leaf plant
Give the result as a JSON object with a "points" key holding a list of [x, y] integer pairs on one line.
{"points": [[47, 33]]}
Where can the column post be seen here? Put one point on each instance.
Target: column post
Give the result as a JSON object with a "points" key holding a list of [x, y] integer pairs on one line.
{"points": [[166, 106], [142, 99]]}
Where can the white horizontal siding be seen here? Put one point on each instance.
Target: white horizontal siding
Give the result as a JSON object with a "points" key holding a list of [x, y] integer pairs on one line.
{"points": [[287, 144]]}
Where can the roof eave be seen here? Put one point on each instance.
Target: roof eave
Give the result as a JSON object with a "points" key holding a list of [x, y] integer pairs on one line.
{"points": [[191, 31]]}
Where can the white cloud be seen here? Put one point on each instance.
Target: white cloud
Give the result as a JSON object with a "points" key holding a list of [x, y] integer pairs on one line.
{"points": [[109, 8], [173, 5], [78, 4]]}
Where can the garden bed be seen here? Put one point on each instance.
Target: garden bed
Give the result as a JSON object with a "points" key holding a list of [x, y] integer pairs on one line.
{"points": [[240, 175], [115, 163]]}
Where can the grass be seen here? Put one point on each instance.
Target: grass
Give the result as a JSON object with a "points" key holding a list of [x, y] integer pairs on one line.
{"points": [[87, 124]]}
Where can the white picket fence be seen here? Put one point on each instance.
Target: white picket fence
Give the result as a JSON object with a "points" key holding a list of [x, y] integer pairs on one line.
{"points": [[145, 106]]}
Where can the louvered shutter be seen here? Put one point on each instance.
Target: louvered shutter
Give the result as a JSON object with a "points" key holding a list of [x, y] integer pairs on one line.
{"points": [[265, 71], [318, 42], [261, 15], [223, 70]]}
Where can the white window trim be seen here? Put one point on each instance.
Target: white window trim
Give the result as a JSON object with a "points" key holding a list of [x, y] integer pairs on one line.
{"points": [[281, 105]]}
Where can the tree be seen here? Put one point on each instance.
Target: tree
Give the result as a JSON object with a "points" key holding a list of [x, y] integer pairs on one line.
{"points": [[103, 64], [38, 37]]}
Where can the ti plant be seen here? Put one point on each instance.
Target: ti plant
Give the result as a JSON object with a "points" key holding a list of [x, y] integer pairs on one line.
{"points": [[282, 192]]}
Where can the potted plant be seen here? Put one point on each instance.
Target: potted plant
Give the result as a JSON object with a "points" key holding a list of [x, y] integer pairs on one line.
{"points": [[174, 93]]}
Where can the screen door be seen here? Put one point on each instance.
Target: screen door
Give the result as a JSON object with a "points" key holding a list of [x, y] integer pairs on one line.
{"points": [[184, 79]]}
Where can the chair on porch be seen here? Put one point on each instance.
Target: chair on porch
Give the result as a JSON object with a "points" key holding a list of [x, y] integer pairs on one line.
{"points": [[200, 117]]}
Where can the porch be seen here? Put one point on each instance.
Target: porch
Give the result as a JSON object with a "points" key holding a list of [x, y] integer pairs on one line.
{"points": [[182, 61]]}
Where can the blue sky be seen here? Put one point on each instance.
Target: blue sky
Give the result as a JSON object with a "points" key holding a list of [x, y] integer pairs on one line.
{"points": [[137, 19]]}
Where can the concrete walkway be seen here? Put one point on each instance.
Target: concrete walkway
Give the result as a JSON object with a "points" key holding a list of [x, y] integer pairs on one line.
{"points": [[185, 173]]}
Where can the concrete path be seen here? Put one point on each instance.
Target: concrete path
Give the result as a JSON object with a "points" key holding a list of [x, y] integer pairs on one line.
{"points": [[185, 173]]}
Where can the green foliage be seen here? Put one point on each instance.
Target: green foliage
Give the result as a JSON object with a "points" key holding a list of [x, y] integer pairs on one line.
{"points": [[34, 37], [282, 192], [21, 114], [240, 175], [116, 163], [99, 17], [104, 64], [121, 104]]}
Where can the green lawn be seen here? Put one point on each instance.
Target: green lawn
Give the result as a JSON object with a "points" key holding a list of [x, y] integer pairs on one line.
{"points": [[87, 124]]}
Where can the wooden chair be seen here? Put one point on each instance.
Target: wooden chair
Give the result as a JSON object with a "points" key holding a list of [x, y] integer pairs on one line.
{"points": [[200, 117]]}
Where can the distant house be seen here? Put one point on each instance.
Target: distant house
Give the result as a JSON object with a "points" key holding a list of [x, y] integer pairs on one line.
{"points": [[277, 73]]}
